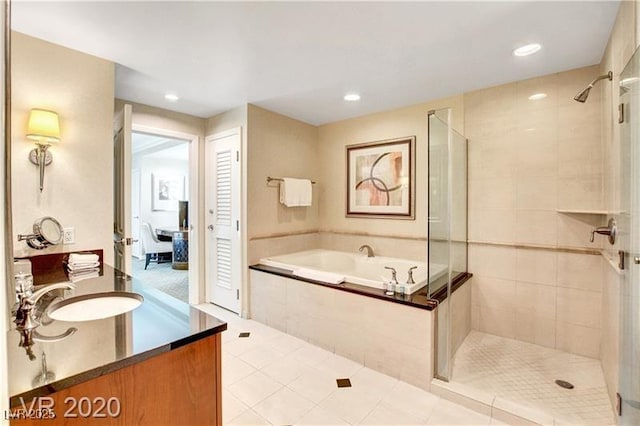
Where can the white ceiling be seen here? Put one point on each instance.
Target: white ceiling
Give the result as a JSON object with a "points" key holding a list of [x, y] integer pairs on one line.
{"points": [[300, 58], [153, 146]]}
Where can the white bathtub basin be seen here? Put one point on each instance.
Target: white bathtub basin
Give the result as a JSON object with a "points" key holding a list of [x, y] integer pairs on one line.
{"points": [[357, 268]]}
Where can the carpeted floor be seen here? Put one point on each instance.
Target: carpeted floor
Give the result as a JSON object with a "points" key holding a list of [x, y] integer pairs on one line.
{"points": [[162, 277]]}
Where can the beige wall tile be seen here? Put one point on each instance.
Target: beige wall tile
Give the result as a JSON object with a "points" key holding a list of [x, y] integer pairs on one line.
{"points": [[492, 225], [579, 307], [547, 84], [501, 322], [580, 156], [580, 271], [578, 339], [485, 104], [536, 266], [580, 193], [492, 261], [536, 299], [536, 194], [534, 329], [536, 227], [495, 194], [494, 293], [609, 351]]}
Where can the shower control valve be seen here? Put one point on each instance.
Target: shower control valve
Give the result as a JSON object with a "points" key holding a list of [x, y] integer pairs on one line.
{"points": [[610, 230]]}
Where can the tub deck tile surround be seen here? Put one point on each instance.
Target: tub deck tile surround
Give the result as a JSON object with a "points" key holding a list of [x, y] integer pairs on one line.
{"points": [[392, 336], [418, 299]]}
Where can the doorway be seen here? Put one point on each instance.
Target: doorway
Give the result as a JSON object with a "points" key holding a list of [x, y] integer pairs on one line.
{"points": [[160, 190]]}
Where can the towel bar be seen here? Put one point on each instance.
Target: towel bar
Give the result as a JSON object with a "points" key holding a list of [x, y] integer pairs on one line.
{"points": [[270, 179]]}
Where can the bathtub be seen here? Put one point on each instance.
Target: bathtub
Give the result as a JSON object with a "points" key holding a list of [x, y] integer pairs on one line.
{"points": [[356, 268]]}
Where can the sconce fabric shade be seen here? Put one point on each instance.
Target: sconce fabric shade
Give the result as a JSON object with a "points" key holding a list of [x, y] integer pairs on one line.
{"points": [[44, 126]]}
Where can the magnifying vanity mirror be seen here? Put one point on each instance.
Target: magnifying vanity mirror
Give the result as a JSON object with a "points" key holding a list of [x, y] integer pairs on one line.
{"points": [[47, 231]]}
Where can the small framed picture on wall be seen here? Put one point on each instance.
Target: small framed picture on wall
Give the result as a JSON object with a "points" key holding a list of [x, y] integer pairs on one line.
{"points": [[167, 190]]}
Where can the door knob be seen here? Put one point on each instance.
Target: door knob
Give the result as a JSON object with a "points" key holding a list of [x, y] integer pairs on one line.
{"points": [[210, 227]]}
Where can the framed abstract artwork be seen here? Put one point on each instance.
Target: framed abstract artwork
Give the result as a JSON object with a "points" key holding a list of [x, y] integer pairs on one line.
{"points": [[381, 179], [167, 191]]}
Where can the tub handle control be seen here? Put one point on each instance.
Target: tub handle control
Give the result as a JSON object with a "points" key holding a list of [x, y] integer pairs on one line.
{"points": [[410, 275], [394, 278]]}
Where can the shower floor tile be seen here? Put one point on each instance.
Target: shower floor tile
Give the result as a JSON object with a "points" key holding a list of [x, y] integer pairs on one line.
{"points": [[526, 373]]}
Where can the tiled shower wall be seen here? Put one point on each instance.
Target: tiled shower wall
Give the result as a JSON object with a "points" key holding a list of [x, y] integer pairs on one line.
{"points": [[537, 278]]}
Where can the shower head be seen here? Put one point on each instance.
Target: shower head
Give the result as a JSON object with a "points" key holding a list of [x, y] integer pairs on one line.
{"points": [[584, 94]]}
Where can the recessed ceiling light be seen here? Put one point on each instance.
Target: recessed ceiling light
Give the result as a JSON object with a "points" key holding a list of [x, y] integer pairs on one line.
{"points": [[171, 97], [526, 50], [351, 97], [537, 96]]}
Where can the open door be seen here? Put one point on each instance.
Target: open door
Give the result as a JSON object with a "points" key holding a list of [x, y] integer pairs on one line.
{"points": [[222, 206], [122, 239]]}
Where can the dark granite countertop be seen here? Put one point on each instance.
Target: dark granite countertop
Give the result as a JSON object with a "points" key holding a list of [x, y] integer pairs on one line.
{"points": [[419, 299], [159, 325]]}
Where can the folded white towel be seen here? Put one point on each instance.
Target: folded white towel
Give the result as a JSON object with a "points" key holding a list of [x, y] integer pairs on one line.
{"points": [[83, 258], [295, 192], [312, 274], [82, 266], [74, 277]]}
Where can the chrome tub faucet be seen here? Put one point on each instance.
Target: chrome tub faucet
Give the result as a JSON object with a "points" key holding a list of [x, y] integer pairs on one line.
{"points": [[368, 248]]}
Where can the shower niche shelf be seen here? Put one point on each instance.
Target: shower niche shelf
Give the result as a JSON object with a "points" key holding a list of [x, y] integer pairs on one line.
{"points": [[602, 212]]}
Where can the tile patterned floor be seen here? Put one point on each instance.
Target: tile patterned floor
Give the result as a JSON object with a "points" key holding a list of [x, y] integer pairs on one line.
{"points": [[525, 373], [271, 378]]}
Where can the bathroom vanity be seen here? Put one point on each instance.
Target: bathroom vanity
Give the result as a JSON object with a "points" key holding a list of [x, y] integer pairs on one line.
{"points": [[156, 365]]}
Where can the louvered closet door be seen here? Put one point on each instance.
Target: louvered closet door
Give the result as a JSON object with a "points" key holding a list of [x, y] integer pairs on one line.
{"points": [[223, 267]]}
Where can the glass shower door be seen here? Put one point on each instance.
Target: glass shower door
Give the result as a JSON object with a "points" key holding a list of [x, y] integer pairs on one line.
{"points": [[630, 242], [447, 227]]}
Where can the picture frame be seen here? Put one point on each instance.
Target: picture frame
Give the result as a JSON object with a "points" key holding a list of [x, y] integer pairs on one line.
{"points": [[166, 191], [381, 179]]}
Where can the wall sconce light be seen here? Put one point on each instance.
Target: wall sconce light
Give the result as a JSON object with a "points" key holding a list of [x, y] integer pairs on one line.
{"points": [[43, 128]]}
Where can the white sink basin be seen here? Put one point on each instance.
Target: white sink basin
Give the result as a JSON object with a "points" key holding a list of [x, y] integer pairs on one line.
{"points": [[94, 306]]}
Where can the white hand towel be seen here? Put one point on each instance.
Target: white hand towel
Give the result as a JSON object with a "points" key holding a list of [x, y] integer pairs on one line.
{"points": [[325, 277], [83, 258], [295, 192], [82, 266], [74, 277]]}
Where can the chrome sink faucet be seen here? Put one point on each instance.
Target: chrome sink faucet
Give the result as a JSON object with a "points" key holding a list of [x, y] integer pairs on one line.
{"points": [[25, 320], [368, 248]]}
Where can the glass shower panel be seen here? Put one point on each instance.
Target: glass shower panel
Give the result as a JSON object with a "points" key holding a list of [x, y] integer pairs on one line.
{"points": [[439, 223], [447, 225], [629, 225]]}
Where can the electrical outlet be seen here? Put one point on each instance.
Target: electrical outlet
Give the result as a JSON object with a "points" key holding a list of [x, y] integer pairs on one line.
{"points": [[68, 236]]}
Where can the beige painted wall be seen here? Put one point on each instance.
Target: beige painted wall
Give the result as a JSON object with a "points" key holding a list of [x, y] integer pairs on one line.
{"points": [[279, 146], [621, 46], [78, 184], [334, 137], [527, 159]]}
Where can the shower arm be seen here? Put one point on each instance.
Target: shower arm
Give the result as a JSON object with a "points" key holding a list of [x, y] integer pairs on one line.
{"points": [[608, 76]]}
